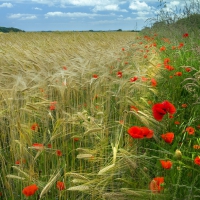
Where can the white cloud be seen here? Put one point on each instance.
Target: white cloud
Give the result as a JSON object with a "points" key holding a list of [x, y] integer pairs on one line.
{"points": [[22, 16], [36, 8], [7, 5], [109, 7], [74, 14], [140, 6]]}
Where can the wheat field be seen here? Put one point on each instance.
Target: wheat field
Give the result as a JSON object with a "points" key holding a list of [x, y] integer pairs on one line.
{"points": [[67, 100]]}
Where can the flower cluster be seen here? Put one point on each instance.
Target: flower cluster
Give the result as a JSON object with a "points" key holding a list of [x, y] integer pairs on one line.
{"points": [[140, 132], [161, 109]]}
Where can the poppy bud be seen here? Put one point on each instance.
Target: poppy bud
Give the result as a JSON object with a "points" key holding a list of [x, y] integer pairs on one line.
{"points": [[178, 154]]}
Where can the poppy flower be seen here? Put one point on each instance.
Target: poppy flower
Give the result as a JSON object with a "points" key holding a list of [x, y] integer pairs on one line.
{"points": [[30, 190], [38, 146], [196, 146], [119, 74], [187, 69], [168, 137], [133, 79], [144, 79], [76, 139], [166, 164], [60, 185], [52, 105], [169, 107], [133, 108], [140, 132], [153, 82], [34, 127], [184, 105], [166, 61], [178, 74], [155, 184], [162, 48], [181, 45], [177, 122], [190, 130], [135, 132], [49, 146], [123, 49], [95, 76], [64, 67], [145, 56], [185, 35], [197, 160], [146, 132], [160, 109], [198, 126], [173, 47], [126, 63], [169, 67], [58, 152]]}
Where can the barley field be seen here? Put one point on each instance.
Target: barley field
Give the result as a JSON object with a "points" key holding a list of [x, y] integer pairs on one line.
{"points": [[67, 100]]}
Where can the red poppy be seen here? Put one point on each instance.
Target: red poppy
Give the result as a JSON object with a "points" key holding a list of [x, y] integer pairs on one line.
{"points": [[30, 190], [52, 105], [166, 61], [125, 62], [76, 139], [145, 56], [168, 137], [17, 162], [119, 74], [144, 79], [173, 47], [58, 152], [162, 48], [160, 109], [178, 74], [133, 108], [169, 107], [146, 132], [95, 76], [153, 82], [181, 45], [60, 185], [177, 122], [49, 146], [187, 69], [135, 132], [38, 146], [140, 132], [166, 164], [190, 130], [197, 160], [34, 127], [198, 126], [64, 67], [155, 184], [185, 35], [196, 146], [184, 105], [133, 79], [169, 67]]}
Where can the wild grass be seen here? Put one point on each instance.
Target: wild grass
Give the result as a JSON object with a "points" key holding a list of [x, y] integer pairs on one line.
{"points": [[66, 103]]}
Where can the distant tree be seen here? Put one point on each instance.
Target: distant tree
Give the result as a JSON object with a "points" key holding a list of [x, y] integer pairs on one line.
{"points": [[119, 29], [11, 29]]}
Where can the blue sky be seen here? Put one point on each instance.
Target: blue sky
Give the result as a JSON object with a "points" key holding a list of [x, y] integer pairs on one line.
{"points": [[77, 15]]}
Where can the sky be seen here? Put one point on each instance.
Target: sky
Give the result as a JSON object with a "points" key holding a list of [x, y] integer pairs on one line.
{"points": [[80, 15]]}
